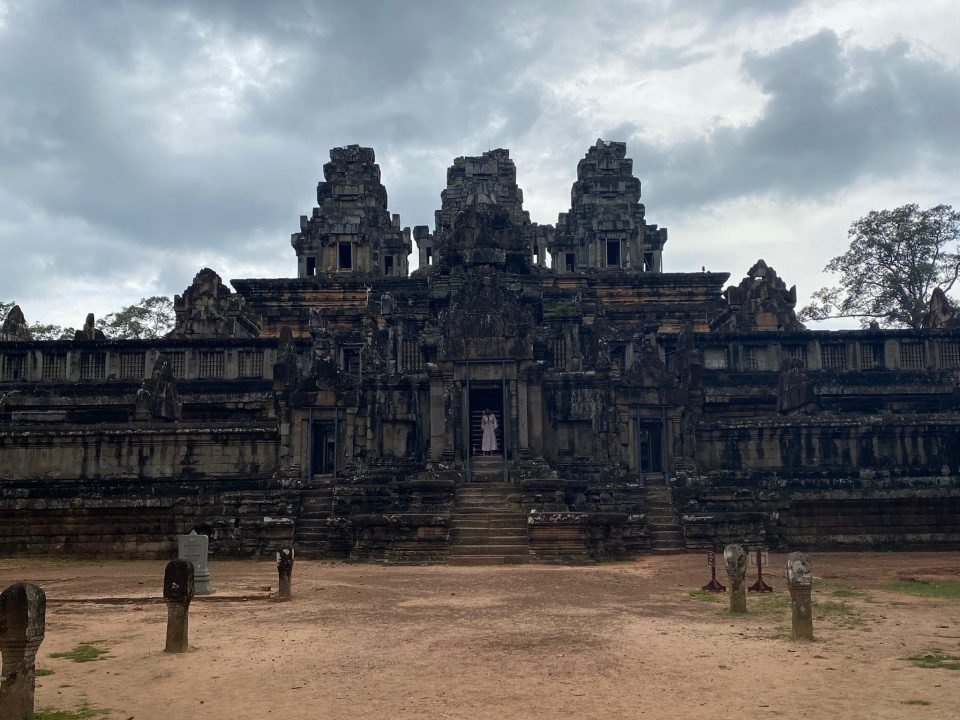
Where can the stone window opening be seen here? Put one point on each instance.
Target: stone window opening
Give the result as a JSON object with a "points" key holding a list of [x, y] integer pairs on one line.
{"points": [[345, 256], [211, 364], [536, 254], [613, 253], [755, 357], [131, 366], [871, 356], [429, 256], [950, 354], [311, 266], [648, 262], [833, 357], [570, 261], [715, 358], [911, 355], [15, 367], [93, 366], [795, 352], [177, 363], [388, 265], [251, 363], [411, 359], [55, 366]]}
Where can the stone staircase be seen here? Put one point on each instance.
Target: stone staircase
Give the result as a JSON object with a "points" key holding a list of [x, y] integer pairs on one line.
{"points": [[488, 526], [666, 532], [310, 535]]}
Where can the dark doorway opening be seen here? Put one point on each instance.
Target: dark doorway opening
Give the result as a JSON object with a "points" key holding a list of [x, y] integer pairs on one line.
{"points": [[345, 256], [613, 253], [570, 260], [649, 448], [485, 398], [323, 458]]}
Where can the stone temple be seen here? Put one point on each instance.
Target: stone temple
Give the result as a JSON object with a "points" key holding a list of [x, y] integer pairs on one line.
{"points": [[637, 410]]}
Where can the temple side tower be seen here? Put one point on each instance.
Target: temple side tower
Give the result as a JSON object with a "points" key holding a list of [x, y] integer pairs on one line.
{"points": [[605, 227], [351, 231]]}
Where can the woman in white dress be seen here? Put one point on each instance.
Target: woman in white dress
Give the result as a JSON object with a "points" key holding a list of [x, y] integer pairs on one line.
{"points": [[489, 425]]}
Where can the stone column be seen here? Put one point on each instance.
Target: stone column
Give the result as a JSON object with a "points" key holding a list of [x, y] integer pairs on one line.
{"points": [[736, 561], [23, 610], [285, 569], [177, 592], [800, 582]]}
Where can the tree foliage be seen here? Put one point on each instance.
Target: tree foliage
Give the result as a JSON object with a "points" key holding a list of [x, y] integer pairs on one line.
{"points": [[150, 318], [895, 261], [40, 331]]}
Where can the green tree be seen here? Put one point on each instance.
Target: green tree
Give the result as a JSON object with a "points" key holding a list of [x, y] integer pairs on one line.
{"points": [[39, 331], [151, 318], [895, 261]]}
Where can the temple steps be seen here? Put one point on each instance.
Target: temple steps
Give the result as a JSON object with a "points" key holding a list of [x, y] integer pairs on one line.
{"points": [[312, 531], [663, 521], [488, 526]]}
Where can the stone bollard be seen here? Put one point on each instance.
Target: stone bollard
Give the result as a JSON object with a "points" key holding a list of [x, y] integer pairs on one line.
{"points": [[800, 582], [177, 592], [195, 548], [285, 568], [23, 609], [736, 561]]}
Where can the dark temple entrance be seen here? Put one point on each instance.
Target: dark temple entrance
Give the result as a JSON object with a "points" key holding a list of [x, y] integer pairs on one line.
{"points": [[485, 397]]}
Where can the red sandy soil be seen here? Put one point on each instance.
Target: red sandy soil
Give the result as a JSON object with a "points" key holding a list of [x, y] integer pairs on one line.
{"points": [[618, 640]]}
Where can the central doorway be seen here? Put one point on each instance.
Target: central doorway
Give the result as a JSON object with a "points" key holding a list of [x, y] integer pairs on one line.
{"points": [[485, 397]]}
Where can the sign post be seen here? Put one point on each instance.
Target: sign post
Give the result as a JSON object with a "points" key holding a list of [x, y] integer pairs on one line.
{"points": [[760, 559], [714, 584]]}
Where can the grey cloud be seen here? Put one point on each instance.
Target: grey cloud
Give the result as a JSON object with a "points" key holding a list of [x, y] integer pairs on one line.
{"points": [[119, 159], [833, 115]]}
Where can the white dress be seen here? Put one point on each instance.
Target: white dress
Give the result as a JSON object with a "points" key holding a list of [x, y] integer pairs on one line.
{"points": [[489, 425]]}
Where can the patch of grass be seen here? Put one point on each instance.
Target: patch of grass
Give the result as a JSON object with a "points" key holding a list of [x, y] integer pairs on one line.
{"points": [[705, 596], [935, 589], [839, 613], [915, 702], [936, 660], [42, 672], [846, 591], [83, 712], [84, 652]]}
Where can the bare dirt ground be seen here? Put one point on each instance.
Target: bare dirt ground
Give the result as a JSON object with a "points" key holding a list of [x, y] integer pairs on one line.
{"points": [[620, 640]]}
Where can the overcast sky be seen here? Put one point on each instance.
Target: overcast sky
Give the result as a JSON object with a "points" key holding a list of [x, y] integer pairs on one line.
{"points": [[141, 141]]}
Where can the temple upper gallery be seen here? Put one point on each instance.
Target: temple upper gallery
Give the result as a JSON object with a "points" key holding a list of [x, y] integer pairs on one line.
{"points": [[529, 392]]}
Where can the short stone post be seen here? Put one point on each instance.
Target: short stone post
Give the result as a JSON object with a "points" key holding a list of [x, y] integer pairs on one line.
{"points": [[736, 560], [195, 548], [285, 569], [177, 592], [23, 609], [800, 582]]}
